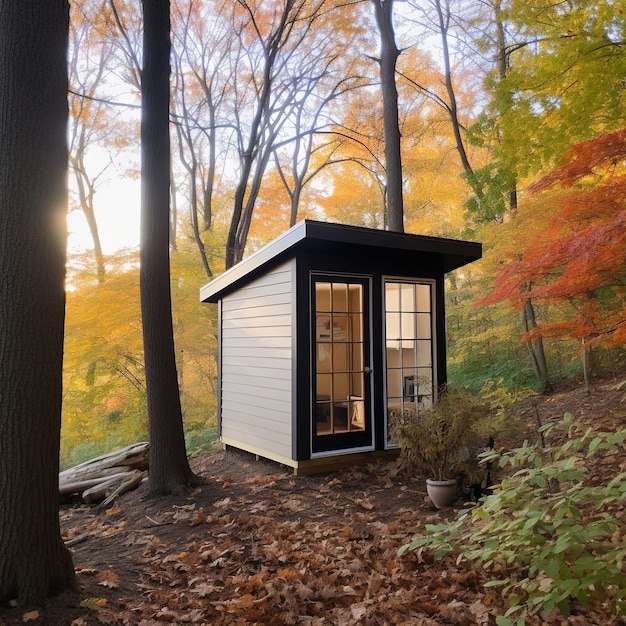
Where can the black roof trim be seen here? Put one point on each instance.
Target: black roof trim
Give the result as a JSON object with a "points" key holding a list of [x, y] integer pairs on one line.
{"points": [[451, 253]]}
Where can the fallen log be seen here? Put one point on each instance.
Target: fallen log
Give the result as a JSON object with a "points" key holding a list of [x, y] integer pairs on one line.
{"points": [[79, 486], [134, 456], [113, 485], [106, 476], [128, 484]]}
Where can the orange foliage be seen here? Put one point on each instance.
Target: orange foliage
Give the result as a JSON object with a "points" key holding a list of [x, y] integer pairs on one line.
{"points": [[580, 258]]}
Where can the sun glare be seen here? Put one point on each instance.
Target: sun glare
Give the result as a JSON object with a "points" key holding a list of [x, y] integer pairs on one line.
{"points": [[117, 206]]}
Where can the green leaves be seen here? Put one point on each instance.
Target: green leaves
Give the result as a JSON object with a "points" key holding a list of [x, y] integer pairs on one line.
{"points": [[548, 536]]}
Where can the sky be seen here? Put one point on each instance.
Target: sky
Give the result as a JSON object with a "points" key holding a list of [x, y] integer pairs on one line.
{"points": [[117, 206]]}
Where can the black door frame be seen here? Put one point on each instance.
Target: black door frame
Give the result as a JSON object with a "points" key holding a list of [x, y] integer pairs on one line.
{"points": [[327, 444]]}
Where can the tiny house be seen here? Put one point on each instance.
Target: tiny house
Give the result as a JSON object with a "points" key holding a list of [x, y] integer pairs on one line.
{"points": [[326, 336]]}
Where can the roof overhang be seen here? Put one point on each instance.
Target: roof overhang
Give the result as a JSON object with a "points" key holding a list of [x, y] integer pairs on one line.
{"points": [[327, 238]]}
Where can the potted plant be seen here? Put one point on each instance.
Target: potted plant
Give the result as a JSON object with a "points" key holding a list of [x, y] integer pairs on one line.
{"points": [[437, 442]]}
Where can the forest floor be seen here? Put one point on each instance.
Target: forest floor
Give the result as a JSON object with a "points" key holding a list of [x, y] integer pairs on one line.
{"points": [[257, 545]]}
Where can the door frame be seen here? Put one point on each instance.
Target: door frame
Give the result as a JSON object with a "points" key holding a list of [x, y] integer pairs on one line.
{"points": [[349, 442]]}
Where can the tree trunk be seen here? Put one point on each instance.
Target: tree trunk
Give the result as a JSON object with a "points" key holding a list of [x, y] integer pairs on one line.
{"points": [[169, 468], [34, 563], [389, 54], [86, 193], [536, 351], [444, 22], [587, 359]]}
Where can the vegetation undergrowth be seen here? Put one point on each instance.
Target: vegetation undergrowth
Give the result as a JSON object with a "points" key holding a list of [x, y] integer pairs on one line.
{"points": [[200, 439], [432, 440], [546, 534]]}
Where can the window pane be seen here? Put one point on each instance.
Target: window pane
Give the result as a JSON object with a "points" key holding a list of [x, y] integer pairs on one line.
{"points": [[356, 326], [424, 356], [392, 296], [423, 298], [340, 297], [324, 358], [341, 387], [393, 326], [340, 357], [322, 296], [394, 383], [423, 326], [324, 386], [356, 388], [407, 297], [357, 357], [409, 357], [408, 325]]}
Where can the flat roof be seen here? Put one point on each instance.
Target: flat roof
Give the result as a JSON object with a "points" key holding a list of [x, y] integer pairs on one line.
{"points": [[312, 236]]}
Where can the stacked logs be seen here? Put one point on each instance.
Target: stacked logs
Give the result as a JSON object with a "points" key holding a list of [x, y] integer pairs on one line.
{"points": [[108, 476]]}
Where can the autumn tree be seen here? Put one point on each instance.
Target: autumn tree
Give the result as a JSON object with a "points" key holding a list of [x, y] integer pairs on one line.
{"points": [[34, 563], [330, 78], [535, 112], [256, 88], [169, 467], [356, 155], [580, 257], [276, 41], [87, 124], [104, 402], [201, 48], [563, 81], [493, 183]]}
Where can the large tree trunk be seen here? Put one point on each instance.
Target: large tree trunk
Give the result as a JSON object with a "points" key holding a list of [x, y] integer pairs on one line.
{"points": [[169, 468], [34, 563], [393, 161]]}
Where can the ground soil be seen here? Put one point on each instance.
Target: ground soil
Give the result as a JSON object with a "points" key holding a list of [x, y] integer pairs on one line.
{"points": [[256, 545]]}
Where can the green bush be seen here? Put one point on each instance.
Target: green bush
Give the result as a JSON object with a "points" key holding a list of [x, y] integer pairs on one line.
{"points": [[547, 536], [84, 452], [200, 439]]}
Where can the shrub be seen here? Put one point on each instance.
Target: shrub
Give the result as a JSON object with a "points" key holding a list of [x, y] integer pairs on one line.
{"points": [[434, 441], [547, 537]]}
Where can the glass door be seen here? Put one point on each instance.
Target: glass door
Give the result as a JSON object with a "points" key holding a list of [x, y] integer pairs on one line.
{"points": [[341, 373], [409, 351]]}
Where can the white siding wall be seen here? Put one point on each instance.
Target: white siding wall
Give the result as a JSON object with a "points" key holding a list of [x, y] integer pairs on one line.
{"points": [[257, 327]]}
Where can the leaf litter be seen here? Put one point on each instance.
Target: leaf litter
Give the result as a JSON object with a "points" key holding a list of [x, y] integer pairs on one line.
{"points": [[256, 545]]}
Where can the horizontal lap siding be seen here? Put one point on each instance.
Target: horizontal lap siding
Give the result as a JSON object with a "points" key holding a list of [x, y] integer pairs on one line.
{"points": [[256, 365]]}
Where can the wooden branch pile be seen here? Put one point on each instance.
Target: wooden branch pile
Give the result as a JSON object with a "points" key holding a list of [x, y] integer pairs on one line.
{"points": [[108, 476]]}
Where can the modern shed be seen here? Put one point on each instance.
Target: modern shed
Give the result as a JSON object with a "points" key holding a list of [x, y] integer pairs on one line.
{"points": [[326, 335]]}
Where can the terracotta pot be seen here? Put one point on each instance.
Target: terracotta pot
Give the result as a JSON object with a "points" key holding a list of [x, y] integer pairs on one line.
{"points": [[442, 492]]}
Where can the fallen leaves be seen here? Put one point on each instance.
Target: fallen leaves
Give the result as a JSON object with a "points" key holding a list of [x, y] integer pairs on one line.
{"points": [[298, 556], [30, 616], [107, 578], [271, 549], [256, 545]]}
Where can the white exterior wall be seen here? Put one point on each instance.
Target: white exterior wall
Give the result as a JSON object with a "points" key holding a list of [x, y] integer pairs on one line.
{"points": [[257, 326]]}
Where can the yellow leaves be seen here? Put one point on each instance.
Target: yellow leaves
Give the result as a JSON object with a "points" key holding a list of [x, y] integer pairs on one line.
{"points": [[115, 529], [93, 603]]}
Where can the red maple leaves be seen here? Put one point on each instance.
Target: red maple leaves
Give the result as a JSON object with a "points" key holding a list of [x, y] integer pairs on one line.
{"points": [[580, 258]]}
